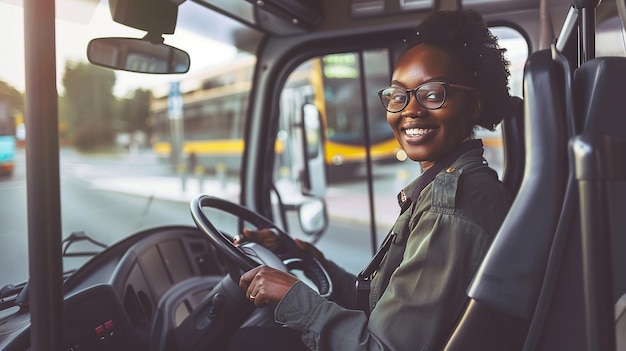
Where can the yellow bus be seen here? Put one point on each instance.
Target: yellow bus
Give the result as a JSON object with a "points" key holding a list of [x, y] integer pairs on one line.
{"points": [[214, 107]]}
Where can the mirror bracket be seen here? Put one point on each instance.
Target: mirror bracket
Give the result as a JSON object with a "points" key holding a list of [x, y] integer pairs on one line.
{"points": [[132, 13], [154, 38]]}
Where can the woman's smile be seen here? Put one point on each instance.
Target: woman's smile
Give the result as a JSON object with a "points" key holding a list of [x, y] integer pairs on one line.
{"points": [[417, 135]]}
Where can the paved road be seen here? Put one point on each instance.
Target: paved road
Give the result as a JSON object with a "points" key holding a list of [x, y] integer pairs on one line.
{"points": [[111, 197]]}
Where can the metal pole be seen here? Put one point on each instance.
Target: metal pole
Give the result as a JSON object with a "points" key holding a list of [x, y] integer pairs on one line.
{"points": [[368, 156], [42, 176], [587, 34]]}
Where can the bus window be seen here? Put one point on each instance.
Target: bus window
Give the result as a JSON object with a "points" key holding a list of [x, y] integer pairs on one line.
{"points": [[333, 84], [346, 120], [610, 38], [343, 87], [516, 52]]}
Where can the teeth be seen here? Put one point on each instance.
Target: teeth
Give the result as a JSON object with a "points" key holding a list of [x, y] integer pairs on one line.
{"points": [[417, 131]]}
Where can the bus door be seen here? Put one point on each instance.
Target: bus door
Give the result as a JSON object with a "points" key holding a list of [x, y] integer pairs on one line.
{"points": [[340, 92]]}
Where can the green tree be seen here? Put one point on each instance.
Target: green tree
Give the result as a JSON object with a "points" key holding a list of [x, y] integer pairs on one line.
{"points": [[12, 96], [89, 104], [134, 113], [11, 106]]}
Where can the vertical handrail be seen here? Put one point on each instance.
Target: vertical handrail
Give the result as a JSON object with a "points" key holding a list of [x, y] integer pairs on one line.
{"points": [[587, 36], [586, 29], [568, 29], [368, 155]]}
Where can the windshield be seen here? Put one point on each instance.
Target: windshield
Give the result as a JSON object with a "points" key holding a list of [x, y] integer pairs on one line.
{"points": [[128, 161], [136, 148]]}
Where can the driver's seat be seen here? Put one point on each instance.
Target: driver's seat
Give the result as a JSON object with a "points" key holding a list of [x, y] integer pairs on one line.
{"points": [[505, 290]]}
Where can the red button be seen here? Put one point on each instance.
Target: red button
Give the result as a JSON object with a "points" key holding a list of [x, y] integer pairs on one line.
{"points": [[99, 329]]}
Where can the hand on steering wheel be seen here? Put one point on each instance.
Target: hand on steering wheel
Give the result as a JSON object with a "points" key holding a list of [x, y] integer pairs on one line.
{"points": [[270, 239], [265, 285], [287, 255], [266, 237]]}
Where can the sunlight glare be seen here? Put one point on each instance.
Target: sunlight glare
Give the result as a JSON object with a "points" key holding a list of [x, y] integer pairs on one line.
{"points": [[77, 23]]}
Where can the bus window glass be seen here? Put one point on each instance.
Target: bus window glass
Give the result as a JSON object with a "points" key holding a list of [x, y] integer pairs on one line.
{"points": [[353, 130], [516, 52], [610, 38], [207, 142], [134, 151], [391, 169]]}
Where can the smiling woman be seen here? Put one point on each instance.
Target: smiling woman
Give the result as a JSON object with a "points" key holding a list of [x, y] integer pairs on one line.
{"points": [[449, 214], [294, 105]]}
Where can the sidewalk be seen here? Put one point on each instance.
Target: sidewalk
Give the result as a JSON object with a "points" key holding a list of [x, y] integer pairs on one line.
{"points": [[169, 188], [342, 204]]}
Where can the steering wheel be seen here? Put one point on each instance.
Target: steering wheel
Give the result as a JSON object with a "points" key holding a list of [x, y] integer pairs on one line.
{"points": [[244, 257]]}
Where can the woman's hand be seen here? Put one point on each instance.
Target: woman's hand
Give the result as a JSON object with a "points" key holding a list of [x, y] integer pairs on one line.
{"points": [[265, 285], [264, 237], [311, 249], [269, 239]]}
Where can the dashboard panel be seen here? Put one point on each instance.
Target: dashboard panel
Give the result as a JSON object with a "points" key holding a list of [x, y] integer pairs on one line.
{"points": [[111, 302]]}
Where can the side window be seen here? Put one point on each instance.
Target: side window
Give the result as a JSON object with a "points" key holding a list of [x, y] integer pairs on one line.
{"points": [[354, 131], [610, 38], [361, 200], [517, 53]]}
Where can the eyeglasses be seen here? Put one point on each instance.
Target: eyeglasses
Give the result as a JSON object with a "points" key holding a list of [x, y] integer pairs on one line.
{"points": [[431, 95]]}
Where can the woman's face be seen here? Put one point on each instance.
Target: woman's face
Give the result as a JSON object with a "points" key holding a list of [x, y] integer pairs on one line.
{"points": [[428, 135]]}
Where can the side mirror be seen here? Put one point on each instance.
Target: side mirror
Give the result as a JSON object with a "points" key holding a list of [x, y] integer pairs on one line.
{"points": [[312, 130], [137, 55], [313, 149], [313, 216]]}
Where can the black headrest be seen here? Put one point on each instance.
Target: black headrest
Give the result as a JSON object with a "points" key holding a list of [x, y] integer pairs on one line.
{"points": [[599, 91]]}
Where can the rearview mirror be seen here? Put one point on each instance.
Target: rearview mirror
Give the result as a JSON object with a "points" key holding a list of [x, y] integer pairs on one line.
{"points": [[137, 55]]}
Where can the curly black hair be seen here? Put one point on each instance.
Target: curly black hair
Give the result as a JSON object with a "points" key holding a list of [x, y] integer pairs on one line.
{"points": [[465, 35]]}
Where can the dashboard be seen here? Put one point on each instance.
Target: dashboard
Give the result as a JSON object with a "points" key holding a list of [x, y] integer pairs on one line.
{"points": [[133, 295]]}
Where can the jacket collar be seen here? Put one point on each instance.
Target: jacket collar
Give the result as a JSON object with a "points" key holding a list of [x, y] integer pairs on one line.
{"points": [[409, 194]]}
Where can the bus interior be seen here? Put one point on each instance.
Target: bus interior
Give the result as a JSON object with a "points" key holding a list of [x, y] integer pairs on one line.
{"points": [[287, 132]]}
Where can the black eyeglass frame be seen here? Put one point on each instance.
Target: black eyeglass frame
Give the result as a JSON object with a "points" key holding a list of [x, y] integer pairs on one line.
{"points": [[414, 93]]}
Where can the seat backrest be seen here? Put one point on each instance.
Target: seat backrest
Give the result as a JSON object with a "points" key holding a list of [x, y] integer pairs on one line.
{"points": [[599, 89], [598, 156], [561, 322], [504, 292]]}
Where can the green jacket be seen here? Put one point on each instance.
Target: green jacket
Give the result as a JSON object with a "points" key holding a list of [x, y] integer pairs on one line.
{"points": [[419, 291]]}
